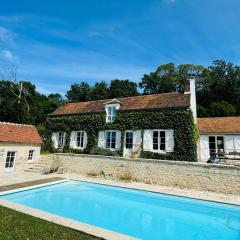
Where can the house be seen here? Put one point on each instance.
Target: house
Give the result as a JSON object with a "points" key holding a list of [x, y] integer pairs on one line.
{"points": [[219, 135], [19, 144], [158, 124]]}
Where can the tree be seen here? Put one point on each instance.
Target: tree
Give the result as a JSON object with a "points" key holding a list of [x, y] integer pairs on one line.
{"points": [[100, 91], [79, 92], [221, 109], [122, 88], [161, 81]]}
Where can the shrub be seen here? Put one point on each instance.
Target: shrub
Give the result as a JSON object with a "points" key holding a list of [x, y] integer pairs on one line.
{"points": [[154, 155], [126, 177], [77, 151], [103, 151]]}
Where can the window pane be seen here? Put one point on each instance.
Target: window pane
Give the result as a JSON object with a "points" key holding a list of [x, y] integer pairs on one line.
{"points": [[220, 143], [113, 143], [155, 146], [162, 134], [155, 134], [211, 139]]}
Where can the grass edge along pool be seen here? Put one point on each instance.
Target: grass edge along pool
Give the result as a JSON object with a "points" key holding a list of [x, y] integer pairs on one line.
{"points": [[136, 213]]}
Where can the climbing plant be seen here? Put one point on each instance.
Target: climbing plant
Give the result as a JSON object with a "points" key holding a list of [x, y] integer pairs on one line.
{"points": [[180, 120]]}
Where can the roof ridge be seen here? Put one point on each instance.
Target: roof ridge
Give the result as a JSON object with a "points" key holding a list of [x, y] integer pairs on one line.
{"points": [[17, 124], [118, 98]]}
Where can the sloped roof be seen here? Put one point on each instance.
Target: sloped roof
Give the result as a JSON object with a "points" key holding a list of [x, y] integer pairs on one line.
{"points": [[219, 125], [155, 101], [19, 133]]}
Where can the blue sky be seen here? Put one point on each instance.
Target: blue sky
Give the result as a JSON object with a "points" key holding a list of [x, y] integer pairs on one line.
{"points": [[60, 42]]}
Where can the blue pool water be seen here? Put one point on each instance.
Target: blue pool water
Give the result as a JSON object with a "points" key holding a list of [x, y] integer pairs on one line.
{"points": [[139, 214]]}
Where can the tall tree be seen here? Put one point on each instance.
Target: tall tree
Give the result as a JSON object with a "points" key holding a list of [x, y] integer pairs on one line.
{"points": [[79, 92], [161, 81], [100, 91], [122, 88]]}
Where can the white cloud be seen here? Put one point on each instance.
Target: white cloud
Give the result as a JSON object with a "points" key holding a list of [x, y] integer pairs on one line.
{"points": [[7, 36], [8, 55]]}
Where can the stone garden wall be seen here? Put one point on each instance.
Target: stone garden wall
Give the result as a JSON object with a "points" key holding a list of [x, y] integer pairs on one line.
{"points": [[191, 175]]}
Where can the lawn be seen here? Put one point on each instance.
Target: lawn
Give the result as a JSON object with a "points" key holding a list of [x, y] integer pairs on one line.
{"points": [[19, 226]]}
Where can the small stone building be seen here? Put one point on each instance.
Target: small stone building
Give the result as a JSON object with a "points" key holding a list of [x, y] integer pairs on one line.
{"points": [[19, 145], [219, 135]]}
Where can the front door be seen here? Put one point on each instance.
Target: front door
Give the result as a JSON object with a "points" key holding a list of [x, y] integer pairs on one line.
{"points": [[132, 144], [10, 161]]}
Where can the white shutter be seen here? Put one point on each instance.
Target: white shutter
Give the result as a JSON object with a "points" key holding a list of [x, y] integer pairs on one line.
{"points": [[229, 143], [101, 139], [73, 139], [204, 147], [118, 139], [237, 143], [147, 140], [169, 140], [64, 138], [85, 139], [137, 140], [55, 139]]}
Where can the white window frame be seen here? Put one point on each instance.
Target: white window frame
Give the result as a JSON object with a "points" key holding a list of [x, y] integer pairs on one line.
{"points": [[81, 141], [111, 138], [110, 112], [7, 169], [159, 150], [216, 144], [31, 155]]}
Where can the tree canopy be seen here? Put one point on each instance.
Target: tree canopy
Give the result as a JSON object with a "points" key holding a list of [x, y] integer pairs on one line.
{"points": [[217, 90]]}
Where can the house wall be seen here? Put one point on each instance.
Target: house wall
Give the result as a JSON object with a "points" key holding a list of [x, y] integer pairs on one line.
{"points": [[21, 154], [231, 144], [200, 176]]}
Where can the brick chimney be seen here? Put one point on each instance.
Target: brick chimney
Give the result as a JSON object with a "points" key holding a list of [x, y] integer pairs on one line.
{"points": [[189, 88]]}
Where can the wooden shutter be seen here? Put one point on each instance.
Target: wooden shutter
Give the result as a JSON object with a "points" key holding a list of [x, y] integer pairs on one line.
{"points": [[85, 139], [55, 139], [147, 140], [73, 139], [204, 147], [101, 139], [169, 140], [137, 140], [237, 143], [229, 143], [118, 139], [64, 138]]}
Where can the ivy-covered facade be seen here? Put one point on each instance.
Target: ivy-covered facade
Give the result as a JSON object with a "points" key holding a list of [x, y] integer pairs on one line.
{"points": [[158, 126]]}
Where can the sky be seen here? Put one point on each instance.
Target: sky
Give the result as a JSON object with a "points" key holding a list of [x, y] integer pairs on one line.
{"points": [[56, 43]]}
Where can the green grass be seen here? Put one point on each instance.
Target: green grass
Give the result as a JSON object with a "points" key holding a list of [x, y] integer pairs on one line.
{"points": [[19, 226]]}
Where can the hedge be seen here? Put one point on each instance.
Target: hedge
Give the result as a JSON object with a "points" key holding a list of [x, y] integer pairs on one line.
{"points": [[181, 120]]}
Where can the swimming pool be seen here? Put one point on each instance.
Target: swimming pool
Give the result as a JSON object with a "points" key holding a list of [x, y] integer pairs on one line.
{"points": [[140, 214]]}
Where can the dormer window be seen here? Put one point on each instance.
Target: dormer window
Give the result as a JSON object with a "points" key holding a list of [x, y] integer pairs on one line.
{"points": [[111, 113], [111, 108]]}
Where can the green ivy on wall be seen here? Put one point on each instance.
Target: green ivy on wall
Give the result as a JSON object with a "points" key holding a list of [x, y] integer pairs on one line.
{"points": [[180, 120]]}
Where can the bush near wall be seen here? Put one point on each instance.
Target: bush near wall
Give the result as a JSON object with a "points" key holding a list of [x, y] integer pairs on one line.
{"points": [[180, 120]]}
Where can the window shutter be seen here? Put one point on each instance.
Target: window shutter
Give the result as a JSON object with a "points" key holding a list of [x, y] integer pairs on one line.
{"points": [[64, 138], [237, 143], [118, 139], [101, 139], [55, 139], [229, 143], [147, 140], [73, 139], [85, 139], [204, 147], [169, 140]]}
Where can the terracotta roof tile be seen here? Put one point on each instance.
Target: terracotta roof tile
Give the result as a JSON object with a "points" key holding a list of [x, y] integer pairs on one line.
{"points": [[219, 125], [155, 101], [19, 133]]}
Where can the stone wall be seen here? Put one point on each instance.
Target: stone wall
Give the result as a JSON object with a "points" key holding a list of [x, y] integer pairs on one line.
{"points": [[191, 175]]}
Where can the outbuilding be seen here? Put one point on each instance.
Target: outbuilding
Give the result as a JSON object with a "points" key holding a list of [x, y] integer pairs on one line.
{"points": [[19, 145]]}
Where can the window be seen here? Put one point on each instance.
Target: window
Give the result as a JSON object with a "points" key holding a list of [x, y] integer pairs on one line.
{"points": [[216, 144], [80, 139], [129, 140], [111, 113], [10, 159], [159, 140], [60, 139], [111, 139], [30, 155]]}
